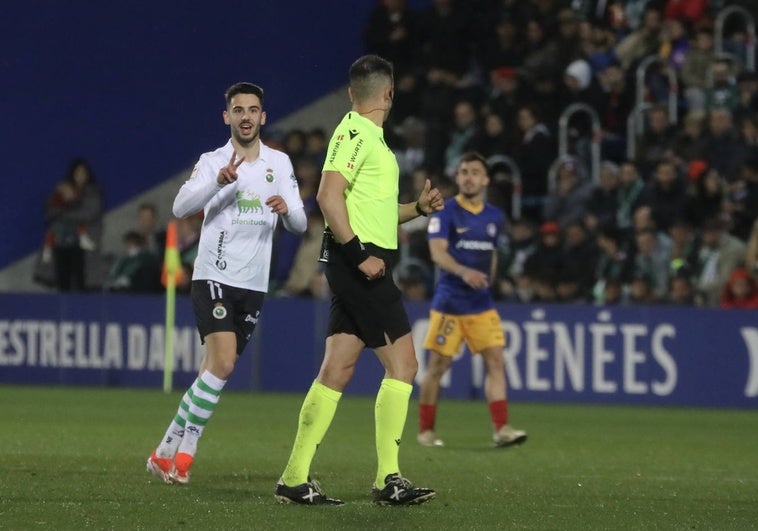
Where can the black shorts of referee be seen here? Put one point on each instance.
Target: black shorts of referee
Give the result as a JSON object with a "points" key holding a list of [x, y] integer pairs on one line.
{"points": [[369, 309]]}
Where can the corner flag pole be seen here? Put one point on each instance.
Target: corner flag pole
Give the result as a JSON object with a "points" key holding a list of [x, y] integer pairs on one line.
{"points": [[172, 273]]}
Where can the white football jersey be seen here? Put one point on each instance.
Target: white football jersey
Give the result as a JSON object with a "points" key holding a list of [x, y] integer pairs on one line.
{"points": [[238, 229]]}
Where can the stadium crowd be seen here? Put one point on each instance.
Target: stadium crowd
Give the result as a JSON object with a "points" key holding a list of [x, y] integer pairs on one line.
{"points": [[651, 198]]}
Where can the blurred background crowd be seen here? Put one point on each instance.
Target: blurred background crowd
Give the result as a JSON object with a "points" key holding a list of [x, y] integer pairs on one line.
{"points": [[621, 136]]}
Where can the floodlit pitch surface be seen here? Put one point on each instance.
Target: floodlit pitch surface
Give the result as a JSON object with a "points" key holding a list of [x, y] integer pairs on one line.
{"points": [[75, 458]]}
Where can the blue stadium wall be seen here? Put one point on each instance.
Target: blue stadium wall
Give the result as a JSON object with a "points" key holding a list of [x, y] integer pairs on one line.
{"points": [[621, 355], [136, 87]]}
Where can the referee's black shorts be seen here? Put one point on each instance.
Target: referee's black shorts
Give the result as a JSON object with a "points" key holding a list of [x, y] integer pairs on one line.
{"points": [[222, 308], [369, 309]]}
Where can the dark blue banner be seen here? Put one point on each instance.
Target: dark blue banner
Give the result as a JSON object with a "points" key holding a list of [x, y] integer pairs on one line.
{"points": [[630, 355]]}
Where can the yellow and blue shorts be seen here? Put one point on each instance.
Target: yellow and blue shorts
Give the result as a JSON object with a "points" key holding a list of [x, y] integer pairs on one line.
{"points": [[481, 330]]}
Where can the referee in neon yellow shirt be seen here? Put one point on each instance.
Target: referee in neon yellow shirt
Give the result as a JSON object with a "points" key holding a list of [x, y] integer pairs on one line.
{"points": [[358, 196]]}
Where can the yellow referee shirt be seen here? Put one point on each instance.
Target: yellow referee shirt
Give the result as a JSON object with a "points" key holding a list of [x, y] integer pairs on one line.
{"points": [[357, 151]]}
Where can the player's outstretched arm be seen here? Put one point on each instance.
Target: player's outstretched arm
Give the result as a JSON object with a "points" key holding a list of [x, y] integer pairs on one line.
{"points": [[203, 184]]}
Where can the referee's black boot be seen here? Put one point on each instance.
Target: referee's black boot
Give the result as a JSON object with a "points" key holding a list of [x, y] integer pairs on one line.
{"points": [[400, 491], [309, 493]]}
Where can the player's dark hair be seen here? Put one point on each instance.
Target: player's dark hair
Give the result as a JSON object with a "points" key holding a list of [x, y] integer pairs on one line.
{"points": [[471, 156], [243, 87], [365, 72]]}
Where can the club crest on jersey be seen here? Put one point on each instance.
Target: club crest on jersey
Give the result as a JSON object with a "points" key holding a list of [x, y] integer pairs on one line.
{"points": [[219, 312], [269, 175], [491, 230]]}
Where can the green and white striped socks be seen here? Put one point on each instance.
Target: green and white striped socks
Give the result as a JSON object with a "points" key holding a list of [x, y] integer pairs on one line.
{"points": [[195, 409]]}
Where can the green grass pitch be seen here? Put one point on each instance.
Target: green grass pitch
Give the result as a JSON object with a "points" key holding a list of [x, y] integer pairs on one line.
{"points": [[73, 458]]}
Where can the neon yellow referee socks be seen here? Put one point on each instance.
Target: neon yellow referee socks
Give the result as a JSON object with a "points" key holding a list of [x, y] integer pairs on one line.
{"points": [[390, 412], [316, 415]]}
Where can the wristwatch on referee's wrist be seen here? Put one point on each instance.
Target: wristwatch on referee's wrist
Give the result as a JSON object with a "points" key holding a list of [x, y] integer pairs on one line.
{"points": [[420, 211]]}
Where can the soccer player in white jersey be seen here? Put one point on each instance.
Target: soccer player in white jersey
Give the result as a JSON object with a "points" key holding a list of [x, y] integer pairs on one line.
{"points": [[243, 188]]}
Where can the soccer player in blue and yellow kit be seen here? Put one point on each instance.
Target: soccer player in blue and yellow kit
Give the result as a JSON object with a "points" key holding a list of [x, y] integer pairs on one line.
{"points": [[462, 240]]}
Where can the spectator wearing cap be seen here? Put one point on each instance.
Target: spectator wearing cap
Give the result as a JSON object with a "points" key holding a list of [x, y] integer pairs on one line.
{"points": [[740, 291], [580, 86], [506, 94], [572, 192], [690, 10], [719, 255], [546, 261]]}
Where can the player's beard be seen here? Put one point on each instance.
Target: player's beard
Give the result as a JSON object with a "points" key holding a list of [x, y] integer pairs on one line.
{"points": [[471, 196], [246, 141]]}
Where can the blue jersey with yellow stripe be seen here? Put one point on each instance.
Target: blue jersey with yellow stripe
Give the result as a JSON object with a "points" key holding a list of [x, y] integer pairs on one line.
{"points": [[472, 233]]}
